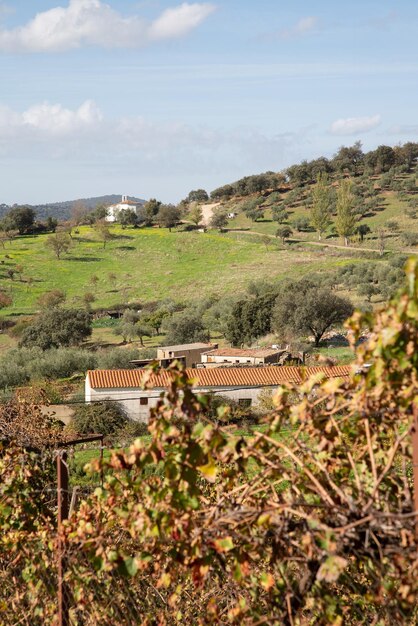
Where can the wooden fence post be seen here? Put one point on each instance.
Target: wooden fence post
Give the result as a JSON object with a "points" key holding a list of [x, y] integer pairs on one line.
{"points": [[63, 511], [415, 464]]}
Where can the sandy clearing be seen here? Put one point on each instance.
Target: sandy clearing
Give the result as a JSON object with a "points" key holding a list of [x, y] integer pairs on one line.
{"points": [[207, 211]]}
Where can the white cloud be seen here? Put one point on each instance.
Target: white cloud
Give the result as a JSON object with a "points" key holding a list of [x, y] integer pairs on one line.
{"points": [[49, 120], [92, 22], [302, 27], [51, 131], [355, 125], [180, 20], [57, 120]]}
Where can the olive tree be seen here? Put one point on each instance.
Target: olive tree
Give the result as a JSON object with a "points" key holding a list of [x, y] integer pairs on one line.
{"points": [[305, 307]]}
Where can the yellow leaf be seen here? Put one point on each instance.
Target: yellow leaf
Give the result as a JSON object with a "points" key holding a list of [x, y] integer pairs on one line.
{"points": [[164, 581], [267, 581], [209, 471], [224, 545]]}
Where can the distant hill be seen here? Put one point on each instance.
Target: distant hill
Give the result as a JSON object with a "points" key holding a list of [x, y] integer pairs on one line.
{"points": [[62, 210]]}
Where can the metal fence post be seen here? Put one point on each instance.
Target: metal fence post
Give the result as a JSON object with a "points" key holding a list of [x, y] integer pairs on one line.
{"points": [[63, 510]]}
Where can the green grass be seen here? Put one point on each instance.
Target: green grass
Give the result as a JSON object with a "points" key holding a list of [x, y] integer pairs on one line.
{"points": [[342, 354], [391, 208], [81, 458], [150, 264]]}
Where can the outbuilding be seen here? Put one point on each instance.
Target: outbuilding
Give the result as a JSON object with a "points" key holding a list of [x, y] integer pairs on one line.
{"points": [[250, 356]]}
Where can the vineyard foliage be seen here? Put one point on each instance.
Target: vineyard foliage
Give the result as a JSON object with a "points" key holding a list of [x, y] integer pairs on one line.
{"points": [[310, 521]]}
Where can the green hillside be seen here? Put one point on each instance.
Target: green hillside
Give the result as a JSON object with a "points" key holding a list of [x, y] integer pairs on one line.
{"points": [[146, 263], [391, 215], [151, 264]]}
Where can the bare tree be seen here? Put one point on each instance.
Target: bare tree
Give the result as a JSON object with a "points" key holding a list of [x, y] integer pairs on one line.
{"points": [[103, 232], [59, 243]]}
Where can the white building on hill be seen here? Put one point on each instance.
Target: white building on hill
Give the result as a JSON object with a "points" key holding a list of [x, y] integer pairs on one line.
{"points": [[114, 210]]}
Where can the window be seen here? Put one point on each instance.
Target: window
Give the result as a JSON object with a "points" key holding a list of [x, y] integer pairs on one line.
{"points": [[244, 402], [143, 401]]}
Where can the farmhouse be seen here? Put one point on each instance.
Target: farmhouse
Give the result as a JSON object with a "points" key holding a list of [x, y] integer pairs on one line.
{"points": [[114, 210], [139, 390], [188, 353], [254, 356]]}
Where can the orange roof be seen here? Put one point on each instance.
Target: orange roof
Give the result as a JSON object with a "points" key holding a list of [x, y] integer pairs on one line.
{"points": [[215, 377]]}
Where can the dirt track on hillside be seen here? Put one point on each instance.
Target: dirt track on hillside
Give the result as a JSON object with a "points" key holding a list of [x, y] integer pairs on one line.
{"points": [[324, 244], [207, 211]]}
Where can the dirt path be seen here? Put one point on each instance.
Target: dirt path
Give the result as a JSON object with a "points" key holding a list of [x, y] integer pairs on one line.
{"points": [[322, 243], [207, 211]]}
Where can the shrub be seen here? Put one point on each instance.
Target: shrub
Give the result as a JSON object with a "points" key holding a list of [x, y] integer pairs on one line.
{"points": [[61, 363], [129, 432], [105, 417], [117, 358], [12, 375], [410, 239], [56, 328], [301, 224], [51, 299], [398, 261], [185, 327], [16, 331]]}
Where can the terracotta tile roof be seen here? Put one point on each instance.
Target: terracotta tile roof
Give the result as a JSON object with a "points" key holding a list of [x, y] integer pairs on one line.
{"points": [[215, 377], [251, 352]]}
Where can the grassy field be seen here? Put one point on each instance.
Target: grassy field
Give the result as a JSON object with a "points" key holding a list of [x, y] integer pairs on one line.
{"points": [[150, 264], [153, 264]]}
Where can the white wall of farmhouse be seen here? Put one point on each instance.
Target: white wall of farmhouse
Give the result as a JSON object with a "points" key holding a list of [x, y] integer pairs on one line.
{"points": [[138, 402], [241, 360]]}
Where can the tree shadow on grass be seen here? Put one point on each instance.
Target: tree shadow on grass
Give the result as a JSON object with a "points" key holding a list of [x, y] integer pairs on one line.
{"points": [[290, 242], [83, 259], [126, 248], [84, 240]]}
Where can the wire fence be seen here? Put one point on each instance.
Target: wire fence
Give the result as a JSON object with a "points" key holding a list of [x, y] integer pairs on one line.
{"points": [[92, 597], [68, 591]]}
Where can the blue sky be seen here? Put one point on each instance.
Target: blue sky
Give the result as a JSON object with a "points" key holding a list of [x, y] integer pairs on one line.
{"points": [[157, 97]]}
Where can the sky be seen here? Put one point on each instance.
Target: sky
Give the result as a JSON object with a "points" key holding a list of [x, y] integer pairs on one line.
{"points": [[154, 98]]}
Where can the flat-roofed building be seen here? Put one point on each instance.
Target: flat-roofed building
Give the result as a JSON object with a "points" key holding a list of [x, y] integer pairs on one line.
{"points": [[187, 353], [250, 356]]}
